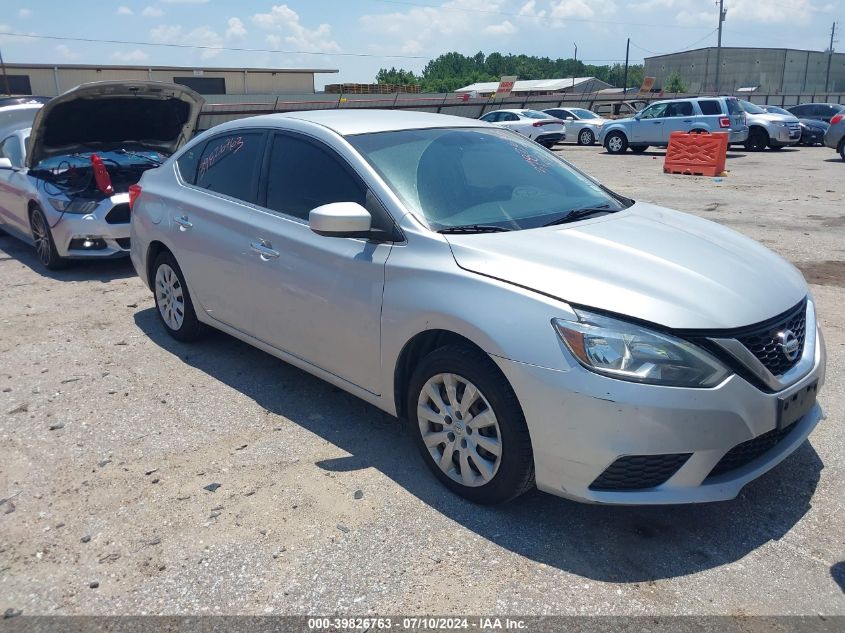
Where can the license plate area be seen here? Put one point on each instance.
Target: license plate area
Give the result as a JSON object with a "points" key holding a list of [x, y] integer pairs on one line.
{"points": [[794, 406]]}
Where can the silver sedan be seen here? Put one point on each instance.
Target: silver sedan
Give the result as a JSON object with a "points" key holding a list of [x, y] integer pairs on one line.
{"points": [[532, 326]]}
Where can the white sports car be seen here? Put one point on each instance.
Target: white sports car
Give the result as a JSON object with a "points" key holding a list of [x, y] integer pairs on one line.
{"points": [[65, 181]]}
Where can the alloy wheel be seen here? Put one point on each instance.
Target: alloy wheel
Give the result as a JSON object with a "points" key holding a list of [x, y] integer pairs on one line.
{"points": [[170, 297], [586, 137], [460, 429], [614, 144], [41, 235]]}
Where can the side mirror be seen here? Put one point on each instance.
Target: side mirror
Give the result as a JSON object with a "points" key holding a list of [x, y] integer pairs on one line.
{"points": [[5, 163], [570, 118], [340, 219]]}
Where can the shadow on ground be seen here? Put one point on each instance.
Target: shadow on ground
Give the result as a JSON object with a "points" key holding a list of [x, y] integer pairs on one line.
{"points": [[103, 270], [611, 544]]}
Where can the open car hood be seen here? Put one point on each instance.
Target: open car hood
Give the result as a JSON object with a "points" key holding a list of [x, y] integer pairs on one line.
{"points": [[112, 114]]}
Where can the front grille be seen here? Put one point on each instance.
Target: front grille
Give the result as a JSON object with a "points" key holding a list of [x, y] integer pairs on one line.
{"points": [[638, 472], [765, 343], [118, 215], [744, 453]]}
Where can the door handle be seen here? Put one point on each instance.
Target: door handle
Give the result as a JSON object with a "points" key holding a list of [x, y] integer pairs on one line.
{"points": [[687, 120], [264, 250], [183, 223]]}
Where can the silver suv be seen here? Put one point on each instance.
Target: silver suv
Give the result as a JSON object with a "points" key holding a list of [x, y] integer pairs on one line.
{"points": [[654, 124], [769, 129]]}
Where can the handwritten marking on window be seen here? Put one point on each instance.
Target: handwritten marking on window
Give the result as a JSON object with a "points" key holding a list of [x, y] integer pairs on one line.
{"points": [[230, 146]]}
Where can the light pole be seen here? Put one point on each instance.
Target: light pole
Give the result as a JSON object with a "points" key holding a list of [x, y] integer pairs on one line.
{"points": [[722, 13]]}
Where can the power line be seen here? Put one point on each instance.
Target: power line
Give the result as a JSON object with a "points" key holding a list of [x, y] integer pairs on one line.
{"points": [[205, 47], [422, 5], [680, 50]]}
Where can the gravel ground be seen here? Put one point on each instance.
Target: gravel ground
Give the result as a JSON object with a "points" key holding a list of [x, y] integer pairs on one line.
{"points": [[110, 433]]}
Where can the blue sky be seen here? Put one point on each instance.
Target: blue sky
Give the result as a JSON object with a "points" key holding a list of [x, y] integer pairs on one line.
{"points": [[411, 31]]}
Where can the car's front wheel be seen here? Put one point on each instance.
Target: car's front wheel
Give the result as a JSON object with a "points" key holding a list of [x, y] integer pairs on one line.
{"points": [[45, 246], [173, 301], [586, 137], [616, 143], [469, 426], [758, 139]]}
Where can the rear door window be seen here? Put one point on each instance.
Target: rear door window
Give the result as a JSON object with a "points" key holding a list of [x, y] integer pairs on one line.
{"points": [[230, 165], [710, 107]]}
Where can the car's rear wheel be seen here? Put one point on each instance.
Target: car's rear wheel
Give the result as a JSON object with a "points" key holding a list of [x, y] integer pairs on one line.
{"points": [[45, 246], [639, 149], [469, 426], [758, 139], [616, 143], [173, 301], [586, 137], [842, 148]]}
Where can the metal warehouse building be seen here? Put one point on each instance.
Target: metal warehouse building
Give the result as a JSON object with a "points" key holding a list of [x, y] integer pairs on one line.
{"points": [[770, 70], [50, 80]]}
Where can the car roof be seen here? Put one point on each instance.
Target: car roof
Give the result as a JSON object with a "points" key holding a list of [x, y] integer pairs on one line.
{"points": [[358, 121]]}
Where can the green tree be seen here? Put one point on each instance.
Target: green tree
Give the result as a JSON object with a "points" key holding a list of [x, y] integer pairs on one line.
{"points": [[674, 84]]}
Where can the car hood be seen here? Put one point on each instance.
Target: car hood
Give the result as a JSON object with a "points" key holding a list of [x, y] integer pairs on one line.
{"points": [[772, 117], [111, 114], [815, 123], [645, 262]]}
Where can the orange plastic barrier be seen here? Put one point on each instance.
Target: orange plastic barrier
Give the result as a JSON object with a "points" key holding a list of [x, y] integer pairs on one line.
{"points": [[698, 154]]}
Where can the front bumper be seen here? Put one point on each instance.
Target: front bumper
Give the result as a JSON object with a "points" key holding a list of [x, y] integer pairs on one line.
{"points": [[109, 238], [785, 135], [580, 423]]}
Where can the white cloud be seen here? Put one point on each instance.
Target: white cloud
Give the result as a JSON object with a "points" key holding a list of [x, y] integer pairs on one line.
{"points": [[203, 36], [66, 53], [184, 1], [505, 28], [124, 11], [24, 13], [236, 29], [572, 9], [288, 31], [529, 10], [152, 12], [127, 57]]}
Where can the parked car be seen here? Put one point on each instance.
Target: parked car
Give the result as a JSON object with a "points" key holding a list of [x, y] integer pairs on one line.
{"points": [[536, 125], [654, 124], [532, 325], [835, 135], [812, 130], [767, 128], [582, 125], [819, 111], [64, 183], [619, 109]]}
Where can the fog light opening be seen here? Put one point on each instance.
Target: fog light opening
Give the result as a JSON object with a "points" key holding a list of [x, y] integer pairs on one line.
{"points": [[89, 243]]}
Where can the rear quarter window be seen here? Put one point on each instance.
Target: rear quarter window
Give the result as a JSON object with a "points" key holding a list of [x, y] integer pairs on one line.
{"points": [[188, 162], [710, 107]]}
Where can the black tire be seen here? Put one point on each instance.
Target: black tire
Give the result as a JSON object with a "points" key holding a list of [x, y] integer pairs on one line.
{"points": [[190, 328], [612, 146], [586, 137], [639, 149], [842, 148], [45, 246], [757, 140], [515, 473]]}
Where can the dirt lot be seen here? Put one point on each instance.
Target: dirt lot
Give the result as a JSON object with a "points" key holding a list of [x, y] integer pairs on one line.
{"points": [[109, 432]]}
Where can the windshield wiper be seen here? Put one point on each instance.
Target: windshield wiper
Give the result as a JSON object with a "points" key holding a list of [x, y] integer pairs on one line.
{"points": [[474, 228], [580, 214]]}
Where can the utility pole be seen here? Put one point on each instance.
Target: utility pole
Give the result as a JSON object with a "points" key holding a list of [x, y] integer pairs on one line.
{"points": [[829, 57], [625, 78], [5, 76], [722, 13], [576, 53]]}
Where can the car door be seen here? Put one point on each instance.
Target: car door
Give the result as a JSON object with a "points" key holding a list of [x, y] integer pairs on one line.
{"points": [[315, 297], [648, 126], [13, 187], [679, 118], [211, 223]]}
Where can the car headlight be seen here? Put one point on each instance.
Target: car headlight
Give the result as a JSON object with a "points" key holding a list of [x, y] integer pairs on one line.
{"points": [[76, 205], [630, 352]]}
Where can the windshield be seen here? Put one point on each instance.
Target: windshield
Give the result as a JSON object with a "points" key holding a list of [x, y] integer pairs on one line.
{"points": [[581, 113], [535, 114], [475, 176], [777, 110], [750, 108]]}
